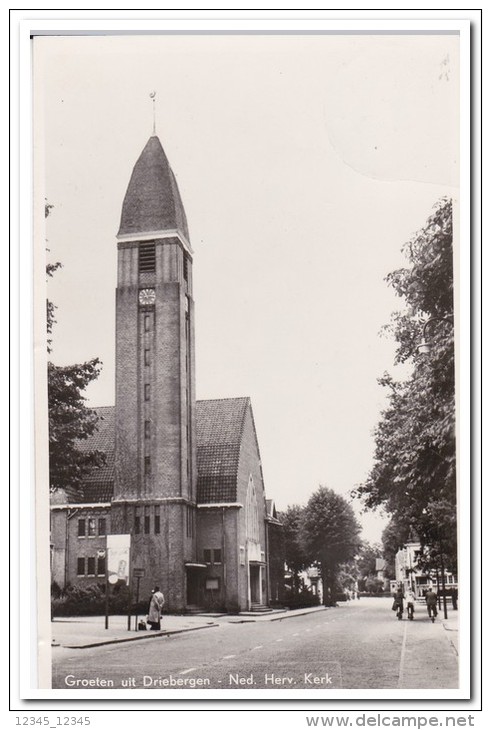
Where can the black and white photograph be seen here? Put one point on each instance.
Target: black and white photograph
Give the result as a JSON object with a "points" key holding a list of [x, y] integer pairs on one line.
{"points": [[251, 424]]}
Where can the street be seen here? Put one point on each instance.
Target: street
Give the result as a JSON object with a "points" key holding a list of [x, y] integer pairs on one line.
{"points": [[358, 645]]}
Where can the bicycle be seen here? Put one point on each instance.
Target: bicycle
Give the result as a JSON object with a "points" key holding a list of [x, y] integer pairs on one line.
{"points": [[410, 611], [399, 611], [432, 612]]}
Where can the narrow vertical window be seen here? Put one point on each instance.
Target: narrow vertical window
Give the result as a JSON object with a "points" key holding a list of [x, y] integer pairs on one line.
{"points": [[147, 524], [147, 465], [217, 556], [101, 566], [90, 566], [137, 525], [102, 526], [91, 522], [81, 528], [146, 357], [185, 267], [157, 524], [147, 429], [80, 566], [147, 391], [146, 323]]}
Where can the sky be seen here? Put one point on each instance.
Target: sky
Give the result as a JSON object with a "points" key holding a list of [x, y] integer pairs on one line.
{"points": [[304, 164]]}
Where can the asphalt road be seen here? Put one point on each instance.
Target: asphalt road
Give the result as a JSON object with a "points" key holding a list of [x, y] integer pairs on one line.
{"points": [[358, 645]]}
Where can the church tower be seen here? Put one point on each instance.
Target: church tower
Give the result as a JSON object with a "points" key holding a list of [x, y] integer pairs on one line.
{"points": [[155, 448]]}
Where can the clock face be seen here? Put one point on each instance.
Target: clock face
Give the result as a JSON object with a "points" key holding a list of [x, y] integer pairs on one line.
{"points": [[147, 296]]}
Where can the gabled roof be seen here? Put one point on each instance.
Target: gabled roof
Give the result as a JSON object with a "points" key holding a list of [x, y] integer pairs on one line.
{"points": [[219, 426], [99, 483], [152, 202]]}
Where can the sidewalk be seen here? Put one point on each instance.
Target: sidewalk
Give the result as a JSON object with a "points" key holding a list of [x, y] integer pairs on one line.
{"points": [[83, 632], [451, 628]]}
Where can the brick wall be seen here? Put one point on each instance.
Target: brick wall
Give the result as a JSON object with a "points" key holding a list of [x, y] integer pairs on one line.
{"points": [[217, 529], [69, 546]]}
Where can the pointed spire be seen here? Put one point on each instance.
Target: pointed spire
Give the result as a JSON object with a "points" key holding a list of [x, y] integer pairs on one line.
{"points": [[152, 201]]}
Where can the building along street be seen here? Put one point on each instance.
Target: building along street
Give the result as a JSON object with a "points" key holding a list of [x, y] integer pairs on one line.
{"points": [[358, 645]]}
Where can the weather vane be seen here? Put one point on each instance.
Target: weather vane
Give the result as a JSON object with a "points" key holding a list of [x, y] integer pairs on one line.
{"points": [[152, 96]]}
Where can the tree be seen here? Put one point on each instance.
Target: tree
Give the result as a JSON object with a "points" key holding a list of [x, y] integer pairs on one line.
{"points": [[70, 421], [329, 536], [367, 563], [394, 536], [414, 474], [295, 558]]}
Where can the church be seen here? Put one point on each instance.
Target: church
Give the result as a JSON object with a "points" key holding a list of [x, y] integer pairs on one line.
{"points": [[182, 479]]}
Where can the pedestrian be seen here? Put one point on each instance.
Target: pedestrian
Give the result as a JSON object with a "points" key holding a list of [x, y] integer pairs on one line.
{"points": [[431, 601], [454, 594], [155, 609]]}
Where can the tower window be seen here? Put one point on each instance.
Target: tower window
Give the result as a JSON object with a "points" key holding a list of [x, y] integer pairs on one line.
{"points": [[146, 323], [185, 267], [147, 357], [147, 465], [157, 524], [80, 566], [101, 566], [146, 258], [147, 391], [90, 566], [147, 524], [81, 528], [147, 429], [137, 525]]}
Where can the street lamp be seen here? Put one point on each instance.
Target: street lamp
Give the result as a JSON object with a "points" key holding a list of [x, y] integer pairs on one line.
{"points": [[425, 346]]}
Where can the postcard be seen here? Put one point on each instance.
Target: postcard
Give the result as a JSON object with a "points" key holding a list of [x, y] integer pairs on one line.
{"points": [[250, 351]]}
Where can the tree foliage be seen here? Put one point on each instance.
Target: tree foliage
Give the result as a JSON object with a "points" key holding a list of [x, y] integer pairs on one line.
{"points": [[70, 421], [367, 565], [329, 535], [295, 558], [414, 474]]}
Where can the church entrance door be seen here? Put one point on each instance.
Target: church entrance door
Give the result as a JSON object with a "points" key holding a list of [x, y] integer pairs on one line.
{"points": [[254, 576], [194, 579]]}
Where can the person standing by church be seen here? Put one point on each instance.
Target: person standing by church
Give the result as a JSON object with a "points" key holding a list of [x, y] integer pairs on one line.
{"points": [[155, 609]]}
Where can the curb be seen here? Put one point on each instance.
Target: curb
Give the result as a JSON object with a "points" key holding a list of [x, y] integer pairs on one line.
{"points": [[304, 613], [150, 635]]}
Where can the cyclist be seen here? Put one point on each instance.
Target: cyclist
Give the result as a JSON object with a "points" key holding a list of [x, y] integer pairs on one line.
{"points": [[431, 599], [399, 603], [410, 600]]}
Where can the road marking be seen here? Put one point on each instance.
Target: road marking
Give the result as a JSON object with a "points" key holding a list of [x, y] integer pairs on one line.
{"points": [[229, 656], [403, 655], [257, 647], [279, 639], [186, 671]]}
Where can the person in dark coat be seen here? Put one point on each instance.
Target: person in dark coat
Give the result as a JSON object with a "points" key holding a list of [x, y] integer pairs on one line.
{"points": [[431, 601], [398, 604]]}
